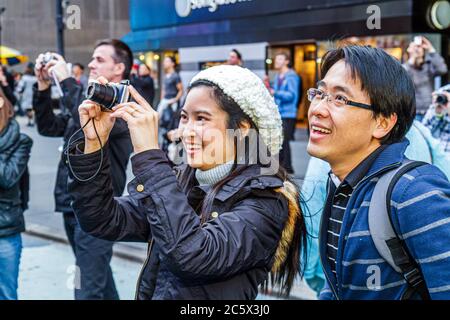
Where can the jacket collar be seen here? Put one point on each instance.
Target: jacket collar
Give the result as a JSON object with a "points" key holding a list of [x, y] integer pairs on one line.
{"points": [[393, 154], [250, 176], [289, 73]]}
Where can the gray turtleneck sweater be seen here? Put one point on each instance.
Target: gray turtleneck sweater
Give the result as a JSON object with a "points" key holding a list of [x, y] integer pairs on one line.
{"points": [[214, 175]]}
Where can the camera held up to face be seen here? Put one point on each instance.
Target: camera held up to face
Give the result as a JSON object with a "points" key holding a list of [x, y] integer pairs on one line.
{"points": [[441, 99], [109, 95]]}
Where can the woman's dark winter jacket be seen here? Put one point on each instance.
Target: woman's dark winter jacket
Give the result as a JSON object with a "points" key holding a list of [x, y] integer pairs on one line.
{"points": [[247, 235], [15, 149], [65, 124]]}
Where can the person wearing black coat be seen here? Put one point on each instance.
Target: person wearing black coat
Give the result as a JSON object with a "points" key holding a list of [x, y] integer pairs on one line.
{"points": [[112, 59], [144, 84], [220, 224], [15, 148]]}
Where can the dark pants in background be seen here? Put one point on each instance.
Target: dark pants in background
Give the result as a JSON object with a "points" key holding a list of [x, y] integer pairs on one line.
{"points": [[285, 153], [93, 257]]}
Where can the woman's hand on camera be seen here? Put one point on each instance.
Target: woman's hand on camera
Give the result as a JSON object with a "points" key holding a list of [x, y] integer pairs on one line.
{"points": [[103, 123], [142, 122]]}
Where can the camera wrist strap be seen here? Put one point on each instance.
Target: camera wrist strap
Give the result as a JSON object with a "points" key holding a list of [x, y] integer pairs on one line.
{"points": [[67, 151]]}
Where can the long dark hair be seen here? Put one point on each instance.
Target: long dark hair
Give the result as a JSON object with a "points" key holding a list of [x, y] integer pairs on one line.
{"points": [[291, 266]]}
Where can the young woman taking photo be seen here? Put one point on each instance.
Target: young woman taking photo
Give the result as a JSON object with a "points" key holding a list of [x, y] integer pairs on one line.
{"points": [[220, 226]]}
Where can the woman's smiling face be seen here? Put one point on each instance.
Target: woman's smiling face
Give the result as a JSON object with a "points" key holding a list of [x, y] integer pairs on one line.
{"points": [[203, 130]]}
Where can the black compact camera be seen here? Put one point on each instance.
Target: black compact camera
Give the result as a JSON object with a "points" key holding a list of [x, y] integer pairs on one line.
{"points": [[441, 99], [109, 95]]}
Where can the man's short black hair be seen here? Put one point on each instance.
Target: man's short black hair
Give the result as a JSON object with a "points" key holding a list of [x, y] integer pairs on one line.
{"points": [[387, 83], [238, 54], [122, 54], [79, 65]]}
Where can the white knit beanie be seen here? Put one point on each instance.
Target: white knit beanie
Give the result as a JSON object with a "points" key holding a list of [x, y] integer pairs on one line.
{"points": [[250, 93]]}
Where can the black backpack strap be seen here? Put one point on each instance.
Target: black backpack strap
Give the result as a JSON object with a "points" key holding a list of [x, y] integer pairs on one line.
{"points": [[400, 253]]}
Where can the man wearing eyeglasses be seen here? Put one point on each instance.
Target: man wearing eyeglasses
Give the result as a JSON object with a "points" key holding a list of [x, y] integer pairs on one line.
{"points": [[359, 115]]}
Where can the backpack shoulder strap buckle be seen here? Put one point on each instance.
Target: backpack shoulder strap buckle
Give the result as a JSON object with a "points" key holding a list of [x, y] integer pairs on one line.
{"points": [[413, 277]]}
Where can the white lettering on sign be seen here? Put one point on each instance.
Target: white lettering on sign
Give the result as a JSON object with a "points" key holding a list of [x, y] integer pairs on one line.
{"points": [[185, 7]]}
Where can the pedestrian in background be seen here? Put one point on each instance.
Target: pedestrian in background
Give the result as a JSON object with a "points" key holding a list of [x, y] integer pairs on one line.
{"points": [[15, 148], [235, 58], [25, 90], [143, 83], [423, 66], [437, 118], [78, 74], [17, 77], [171, 93], [287, 91]]}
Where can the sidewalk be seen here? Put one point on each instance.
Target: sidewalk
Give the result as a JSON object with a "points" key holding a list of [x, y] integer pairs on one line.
{"points": [[47, 272]]}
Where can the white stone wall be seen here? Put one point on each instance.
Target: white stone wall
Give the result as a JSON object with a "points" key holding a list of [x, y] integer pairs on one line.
{"points": [[29, 26]]}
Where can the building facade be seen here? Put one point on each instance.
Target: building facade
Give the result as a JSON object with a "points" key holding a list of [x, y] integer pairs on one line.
{"points": [[30, 26]]}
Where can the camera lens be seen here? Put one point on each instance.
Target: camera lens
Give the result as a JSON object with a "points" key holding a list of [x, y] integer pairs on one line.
{"points": [[441, 99], [104, 95]]}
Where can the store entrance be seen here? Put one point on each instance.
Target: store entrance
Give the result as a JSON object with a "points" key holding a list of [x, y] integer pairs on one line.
{"points": [[303, 58]]}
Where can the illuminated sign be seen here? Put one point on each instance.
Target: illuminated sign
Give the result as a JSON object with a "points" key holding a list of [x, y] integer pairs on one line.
{"points": [[185, 7]]}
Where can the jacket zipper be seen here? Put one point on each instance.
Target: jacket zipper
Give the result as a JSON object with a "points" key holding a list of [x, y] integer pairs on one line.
{"points": [[149, 251]]}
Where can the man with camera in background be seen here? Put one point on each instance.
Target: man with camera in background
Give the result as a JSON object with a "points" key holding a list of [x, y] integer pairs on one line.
{"points": [[423, 66], [112, 59], [437, 118]]}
